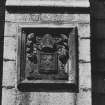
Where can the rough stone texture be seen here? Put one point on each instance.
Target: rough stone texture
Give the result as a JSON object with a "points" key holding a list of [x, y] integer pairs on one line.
{"points": [[66, 3], [8, 96], [84, 30], [10, 48], [10, 29], [52, 98], [47, 18], [85, 75], [11, 95], [83, 97], [84, 50], [9, 73]]}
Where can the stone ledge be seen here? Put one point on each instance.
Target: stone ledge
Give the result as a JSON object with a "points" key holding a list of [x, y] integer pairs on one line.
{"points": [[47, 3]]}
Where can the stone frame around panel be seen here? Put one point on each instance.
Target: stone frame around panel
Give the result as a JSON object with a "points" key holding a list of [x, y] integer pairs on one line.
{"points": [[48, 85]]}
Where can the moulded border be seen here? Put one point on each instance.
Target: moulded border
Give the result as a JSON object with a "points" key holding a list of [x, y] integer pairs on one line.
{"points": [[46, 85]]}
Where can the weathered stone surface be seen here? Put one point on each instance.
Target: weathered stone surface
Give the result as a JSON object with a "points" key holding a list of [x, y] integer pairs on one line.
{"points": [[10, 29], [83, 18], [48, 18], [8, 96], [84, 75], [9, 73], [22, 98], [11, 96], [10, 48], [9, 17], [41, 18], [66, 3], [84, 30], [52, 98], [84, 50], [84, 97], [14, 97]]}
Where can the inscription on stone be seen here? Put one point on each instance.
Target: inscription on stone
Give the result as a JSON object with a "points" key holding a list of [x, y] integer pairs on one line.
{"points": [[57, 18]]}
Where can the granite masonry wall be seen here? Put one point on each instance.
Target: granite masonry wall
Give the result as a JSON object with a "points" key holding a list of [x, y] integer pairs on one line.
{"points": [[10, 94]]}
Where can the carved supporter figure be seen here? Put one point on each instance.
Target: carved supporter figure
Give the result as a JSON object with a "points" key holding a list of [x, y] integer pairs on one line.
{"points": [[30, 50]]}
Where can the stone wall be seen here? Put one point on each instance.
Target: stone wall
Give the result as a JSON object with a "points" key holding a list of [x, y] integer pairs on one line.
{"points": [[11, 95]]}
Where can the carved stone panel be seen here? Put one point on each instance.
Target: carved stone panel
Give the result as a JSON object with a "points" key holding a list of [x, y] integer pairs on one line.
{"points": [[48, 54]]}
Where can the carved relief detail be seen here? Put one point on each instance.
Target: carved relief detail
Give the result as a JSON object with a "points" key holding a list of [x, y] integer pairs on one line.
{"points": [[50, 53]]}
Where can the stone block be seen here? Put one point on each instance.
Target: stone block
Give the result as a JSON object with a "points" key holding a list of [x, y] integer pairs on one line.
{"points": [[84, 50], [83, 18], [10, 29], [84, 75], [44, 98], [23, 98], [84, 30], [48, 18], [42, 18], [15, 97], [52, 98], [10, 17], [9, 73], [8, 96], [84, 97], [57, 3], [10, 48]]}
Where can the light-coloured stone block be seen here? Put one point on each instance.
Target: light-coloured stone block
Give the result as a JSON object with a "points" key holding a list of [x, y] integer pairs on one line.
{"points": [[8, 96], [15, 97], [48, 18], [10, 48], [83, 18], [84, 75], [84, 30], [9, 17], [84, 50], [84, 97], [9, 73], [57, 3], [10, 29], [23, 98], [42, 18], [52, 98]]}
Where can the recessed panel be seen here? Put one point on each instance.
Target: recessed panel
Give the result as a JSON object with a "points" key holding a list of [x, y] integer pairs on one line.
{"points": [[48, 55]]}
